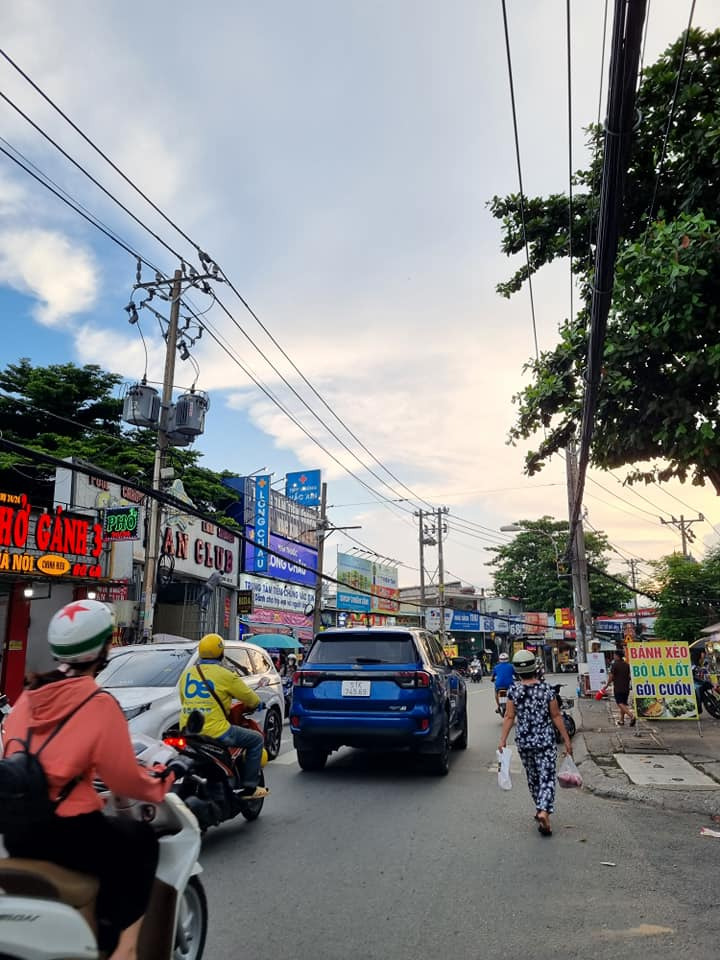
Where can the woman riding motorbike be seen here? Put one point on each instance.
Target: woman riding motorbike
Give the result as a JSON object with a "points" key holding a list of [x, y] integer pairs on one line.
{"points": [[93, 741]]}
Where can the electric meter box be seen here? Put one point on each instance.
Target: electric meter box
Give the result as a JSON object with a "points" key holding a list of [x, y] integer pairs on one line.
{"points": [[141, 406]]}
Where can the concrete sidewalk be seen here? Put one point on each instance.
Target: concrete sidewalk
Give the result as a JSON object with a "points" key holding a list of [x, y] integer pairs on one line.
{"points": [[601, 740]]}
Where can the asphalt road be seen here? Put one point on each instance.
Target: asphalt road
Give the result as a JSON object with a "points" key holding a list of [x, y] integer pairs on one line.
{"points": [[374, 859]]}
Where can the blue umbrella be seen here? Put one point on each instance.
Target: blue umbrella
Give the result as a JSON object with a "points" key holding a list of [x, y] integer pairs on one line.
{"points": [[274, 641]]}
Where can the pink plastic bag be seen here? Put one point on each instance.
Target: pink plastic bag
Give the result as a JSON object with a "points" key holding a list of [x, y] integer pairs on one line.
{"points": [[568, 774]]}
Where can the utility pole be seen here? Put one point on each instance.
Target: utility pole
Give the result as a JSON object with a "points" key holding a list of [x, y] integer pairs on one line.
{"points": [[421, 538], [632, 563], [441, 528], [152, 546], [683, 526], [578, 560], [322, 528]]}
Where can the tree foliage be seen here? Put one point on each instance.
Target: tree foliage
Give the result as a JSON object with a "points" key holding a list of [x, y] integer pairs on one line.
{"points": [[689, 596], [527, 568], [660, 389], [70, 411]]}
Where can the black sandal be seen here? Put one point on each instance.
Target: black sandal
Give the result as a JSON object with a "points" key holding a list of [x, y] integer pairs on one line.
{"points": [[544, 828]]}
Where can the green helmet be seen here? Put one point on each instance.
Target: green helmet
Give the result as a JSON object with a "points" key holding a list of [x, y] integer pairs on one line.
{"points": [[525, 663]]}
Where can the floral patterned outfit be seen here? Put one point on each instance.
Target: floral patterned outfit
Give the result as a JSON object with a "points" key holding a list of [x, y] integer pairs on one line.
{"points": [[535, 740]]}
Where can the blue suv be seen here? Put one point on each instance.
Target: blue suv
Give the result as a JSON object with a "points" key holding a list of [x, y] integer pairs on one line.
{"points": [[378, 688]]}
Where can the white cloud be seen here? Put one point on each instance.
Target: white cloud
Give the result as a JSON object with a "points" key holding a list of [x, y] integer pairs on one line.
{"points": [[55, 271]]}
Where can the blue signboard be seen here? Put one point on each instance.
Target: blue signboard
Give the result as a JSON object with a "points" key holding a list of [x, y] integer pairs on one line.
{"points": [[285, 567], [262, 523], [609, 626], [465, 620], [303, 487]]}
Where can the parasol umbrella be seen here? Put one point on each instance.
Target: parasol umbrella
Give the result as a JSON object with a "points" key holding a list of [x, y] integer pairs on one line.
{"points": [[274, 641]]}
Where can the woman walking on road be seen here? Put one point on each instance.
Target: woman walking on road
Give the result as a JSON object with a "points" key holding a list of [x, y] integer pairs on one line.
{"points": [[532, 703]]}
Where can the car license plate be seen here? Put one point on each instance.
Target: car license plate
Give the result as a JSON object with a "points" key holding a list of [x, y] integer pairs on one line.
{"points": [[356, 688]]}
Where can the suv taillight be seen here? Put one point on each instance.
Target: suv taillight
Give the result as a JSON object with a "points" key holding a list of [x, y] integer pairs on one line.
{"points": [[412, 679], [306, 678]]}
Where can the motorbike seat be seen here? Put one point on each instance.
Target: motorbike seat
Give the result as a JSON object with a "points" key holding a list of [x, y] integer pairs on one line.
{"points": [[40, 878]]}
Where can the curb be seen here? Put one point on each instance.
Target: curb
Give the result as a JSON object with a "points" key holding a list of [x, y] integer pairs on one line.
{"points": [[596, 781]]}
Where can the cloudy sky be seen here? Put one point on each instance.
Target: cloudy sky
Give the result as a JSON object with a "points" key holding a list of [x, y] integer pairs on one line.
{"points": [[335, 157]]}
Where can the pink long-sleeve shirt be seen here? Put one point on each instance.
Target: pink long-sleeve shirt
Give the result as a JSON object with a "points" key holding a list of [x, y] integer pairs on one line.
{"points": [[95, 742]]}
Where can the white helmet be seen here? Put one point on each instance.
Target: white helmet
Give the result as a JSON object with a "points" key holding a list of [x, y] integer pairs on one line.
{"points": [[503, 657], [80, 630]]}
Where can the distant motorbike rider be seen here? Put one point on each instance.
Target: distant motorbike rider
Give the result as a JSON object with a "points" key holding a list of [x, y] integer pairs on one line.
{"points": [[503, 675], [93, 741], [290, 665], [210, 688]]}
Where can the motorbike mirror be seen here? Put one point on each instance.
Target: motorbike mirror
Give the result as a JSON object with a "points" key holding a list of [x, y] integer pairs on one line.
{"points": [[195, 722]]}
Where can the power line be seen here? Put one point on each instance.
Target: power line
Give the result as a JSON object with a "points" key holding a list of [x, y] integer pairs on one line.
{"points": [[520, 177], [90, 177], [76, 207], [94, 146], [671, 115], [205, 259], [570, 156]]}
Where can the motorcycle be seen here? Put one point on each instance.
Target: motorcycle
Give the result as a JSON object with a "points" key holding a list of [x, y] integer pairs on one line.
{"points": [[476, 674], [707, 696], [50, 911], [502, 696], [287, 683], [216, 773], [564, 703]]}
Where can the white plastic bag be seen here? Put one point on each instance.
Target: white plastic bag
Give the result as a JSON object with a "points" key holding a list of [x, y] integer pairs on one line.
{"points": [[568, 774], [503, 759]]}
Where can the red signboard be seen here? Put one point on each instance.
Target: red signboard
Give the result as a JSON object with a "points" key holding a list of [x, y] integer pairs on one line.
{"points": [[52, 544]]}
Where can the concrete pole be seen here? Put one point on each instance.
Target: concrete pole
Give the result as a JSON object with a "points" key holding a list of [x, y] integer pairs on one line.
{"points": [[581, 587], [317, 621], [152, 548]]}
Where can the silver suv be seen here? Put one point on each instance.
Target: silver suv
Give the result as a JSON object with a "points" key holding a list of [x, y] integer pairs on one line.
{"points": [[144, 681]]}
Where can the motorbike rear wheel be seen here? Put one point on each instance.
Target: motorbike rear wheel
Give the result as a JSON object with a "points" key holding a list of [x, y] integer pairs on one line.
{"points": [[192, 922], [711, 702]]}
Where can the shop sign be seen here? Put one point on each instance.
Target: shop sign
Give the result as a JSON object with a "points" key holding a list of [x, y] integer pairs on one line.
{"points": [[244, 602], [110, 593], [564, 617], [369, 620], [662, 680], [290, 565], [262, 524], [198, 547], [121, 523], [304, 487], [53, 544], [377, 581], [275, 595], [198, 557]]}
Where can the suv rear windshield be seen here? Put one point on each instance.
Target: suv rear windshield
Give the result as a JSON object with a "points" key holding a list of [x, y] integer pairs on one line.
{"points": [[378, 648], [154, 668]]}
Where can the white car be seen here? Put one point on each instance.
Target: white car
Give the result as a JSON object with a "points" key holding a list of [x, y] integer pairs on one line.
{"points": [[144, 680]]}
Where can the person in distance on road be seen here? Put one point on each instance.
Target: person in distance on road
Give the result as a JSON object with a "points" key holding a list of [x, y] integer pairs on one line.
{"points": [[503, 675], [620, 682], [533, 704]]}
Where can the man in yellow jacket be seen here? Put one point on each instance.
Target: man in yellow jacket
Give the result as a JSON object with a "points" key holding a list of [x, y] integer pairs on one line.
{"points": [[210, 688]]}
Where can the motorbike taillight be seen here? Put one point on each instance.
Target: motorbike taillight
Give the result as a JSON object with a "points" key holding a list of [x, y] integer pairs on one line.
{"points": [[179, 743]]}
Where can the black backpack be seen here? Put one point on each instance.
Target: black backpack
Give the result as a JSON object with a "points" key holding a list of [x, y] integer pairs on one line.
{"points": [[24, 793]]}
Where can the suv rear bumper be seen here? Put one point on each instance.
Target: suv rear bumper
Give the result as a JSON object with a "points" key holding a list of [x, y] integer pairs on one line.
{"points": [[330, 731]]}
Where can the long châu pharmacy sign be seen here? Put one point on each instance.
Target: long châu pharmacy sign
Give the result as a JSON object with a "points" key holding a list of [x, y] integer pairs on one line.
{"points": [[51, 544]]}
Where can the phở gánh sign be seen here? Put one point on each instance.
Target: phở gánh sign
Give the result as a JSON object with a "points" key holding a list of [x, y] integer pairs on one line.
{"points": [[662, 681], [53, 544], [121, 523]]}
